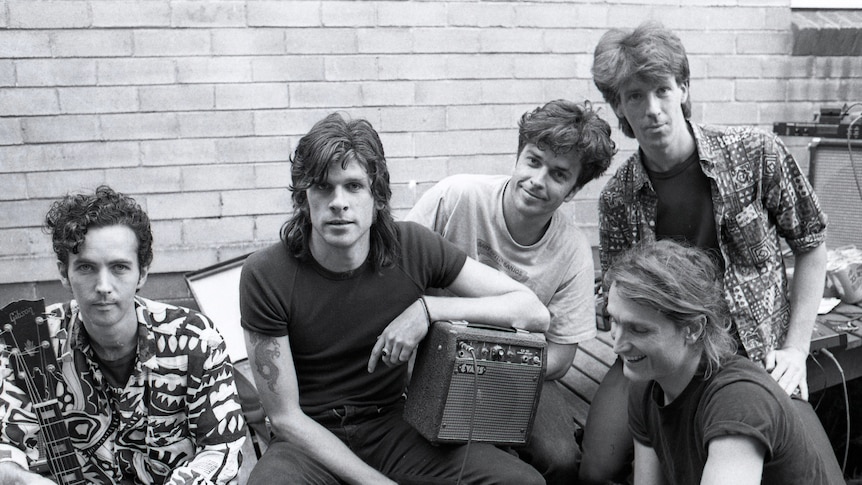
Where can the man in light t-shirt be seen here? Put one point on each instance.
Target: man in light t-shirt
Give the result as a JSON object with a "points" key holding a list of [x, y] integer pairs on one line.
{"points": [[512, 223]]}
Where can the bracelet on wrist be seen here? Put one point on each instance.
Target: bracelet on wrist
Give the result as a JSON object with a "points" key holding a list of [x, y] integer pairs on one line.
{"points": [[425, 307]]}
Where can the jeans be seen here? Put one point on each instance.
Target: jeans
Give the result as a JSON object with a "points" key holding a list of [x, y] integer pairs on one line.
{"points": [[382, 439]]}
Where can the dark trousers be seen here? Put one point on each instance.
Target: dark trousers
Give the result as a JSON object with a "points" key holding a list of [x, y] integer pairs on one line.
{"points": [[814, 430], [608, 446], [552, 448], [381, 438]]}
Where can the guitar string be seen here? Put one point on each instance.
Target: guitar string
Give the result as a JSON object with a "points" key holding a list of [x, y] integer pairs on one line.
{"points": [[33, 392], [34, 395], [29, 382], [68, 459]]}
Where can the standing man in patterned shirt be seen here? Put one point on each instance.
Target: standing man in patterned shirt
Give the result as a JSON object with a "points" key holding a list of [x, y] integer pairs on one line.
{"points": [[514, 224], [734, 192], [146, 388]]}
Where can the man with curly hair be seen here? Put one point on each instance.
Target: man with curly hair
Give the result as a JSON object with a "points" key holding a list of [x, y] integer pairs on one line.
{"points": [[518, 225], [146, 389]]}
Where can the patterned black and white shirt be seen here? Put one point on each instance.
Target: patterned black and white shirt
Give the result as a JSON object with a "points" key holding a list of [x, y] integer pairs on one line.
{"points": [[759, 194], [177, 420]]}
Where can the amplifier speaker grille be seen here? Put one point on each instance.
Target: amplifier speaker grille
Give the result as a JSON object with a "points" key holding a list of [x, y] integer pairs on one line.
{"points": [[507, 383], [505, 396], [834, 181]]}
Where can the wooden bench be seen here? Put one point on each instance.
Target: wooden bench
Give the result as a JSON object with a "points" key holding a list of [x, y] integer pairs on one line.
{"points": [[591, 363]]}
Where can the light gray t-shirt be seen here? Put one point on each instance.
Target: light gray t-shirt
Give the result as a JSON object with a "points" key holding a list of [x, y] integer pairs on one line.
{"points": [[467, 210]]}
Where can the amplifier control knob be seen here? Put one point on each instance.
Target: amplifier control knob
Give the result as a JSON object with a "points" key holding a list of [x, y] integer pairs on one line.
{"points": [[497, 353], [537, 360]]}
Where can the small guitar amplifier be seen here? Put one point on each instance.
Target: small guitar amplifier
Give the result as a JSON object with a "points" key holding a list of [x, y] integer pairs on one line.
{"points": [[476, 383]]}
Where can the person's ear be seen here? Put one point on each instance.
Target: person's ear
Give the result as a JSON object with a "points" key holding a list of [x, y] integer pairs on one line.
{"points": [[618, 111], [64, 274], [378, 207], [142, 279], [694, 330]]}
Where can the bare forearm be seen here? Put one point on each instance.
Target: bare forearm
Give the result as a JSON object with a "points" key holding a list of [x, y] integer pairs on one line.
{"points": [[805, 295], [323, 446], [559, 359], [511, 310], [271, 362]]}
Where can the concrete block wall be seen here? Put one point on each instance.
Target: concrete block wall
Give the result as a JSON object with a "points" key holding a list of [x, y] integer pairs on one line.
{"points": [[193, 107]]}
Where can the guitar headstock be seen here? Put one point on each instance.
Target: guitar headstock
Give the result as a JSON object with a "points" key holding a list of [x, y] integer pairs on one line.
{"points": [[26, 339]]}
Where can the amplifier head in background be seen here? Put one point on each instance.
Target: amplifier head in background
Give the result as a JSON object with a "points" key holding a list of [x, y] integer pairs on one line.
{"points": [[835, 171]]}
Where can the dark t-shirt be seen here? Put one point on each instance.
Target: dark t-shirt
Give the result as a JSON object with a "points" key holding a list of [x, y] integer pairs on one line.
{"points": [[685, 210], [333, 319], [741, 399]]}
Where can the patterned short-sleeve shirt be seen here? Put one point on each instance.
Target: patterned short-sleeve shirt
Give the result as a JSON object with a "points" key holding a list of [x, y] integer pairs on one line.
{"points": [[759, 195], [177, 420]]}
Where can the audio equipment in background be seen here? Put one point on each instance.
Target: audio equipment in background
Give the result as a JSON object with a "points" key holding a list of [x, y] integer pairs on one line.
{"points": [[827, 334], [821, 130], [830, 122], [838, 185], [503, 369]]}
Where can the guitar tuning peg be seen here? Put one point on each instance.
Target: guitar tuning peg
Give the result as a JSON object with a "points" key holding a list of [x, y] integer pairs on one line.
{"points": [[45, 344], [61, 334], [66, 357], [41, 319]]}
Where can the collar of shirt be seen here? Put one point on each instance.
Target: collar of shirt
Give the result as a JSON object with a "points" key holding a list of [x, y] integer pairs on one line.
{"points": [[79, 339]]}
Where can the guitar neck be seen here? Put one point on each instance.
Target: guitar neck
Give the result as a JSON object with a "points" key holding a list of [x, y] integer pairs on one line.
{"points": [[27, 339], [62, 459]]}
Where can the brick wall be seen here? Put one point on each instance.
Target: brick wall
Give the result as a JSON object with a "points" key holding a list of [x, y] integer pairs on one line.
{"points": [[194, 106]]}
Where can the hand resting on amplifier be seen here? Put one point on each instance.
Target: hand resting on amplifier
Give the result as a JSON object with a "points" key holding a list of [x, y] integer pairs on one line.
{"points": [[349, 293], [401, 337], [483, 295]]}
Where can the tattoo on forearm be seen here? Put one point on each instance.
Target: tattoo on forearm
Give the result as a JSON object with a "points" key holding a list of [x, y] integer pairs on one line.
{"points": [[266, 350]]}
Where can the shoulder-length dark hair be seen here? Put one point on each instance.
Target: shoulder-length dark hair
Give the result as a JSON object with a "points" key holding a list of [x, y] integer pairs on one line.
{"points": [[336, 140]]}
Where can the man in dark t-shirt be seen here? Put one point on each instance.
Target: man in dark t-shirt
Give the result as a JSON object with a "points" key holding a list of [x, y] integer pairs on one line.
{"points": [[700, 413], [342, 293], [736, 192]]}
